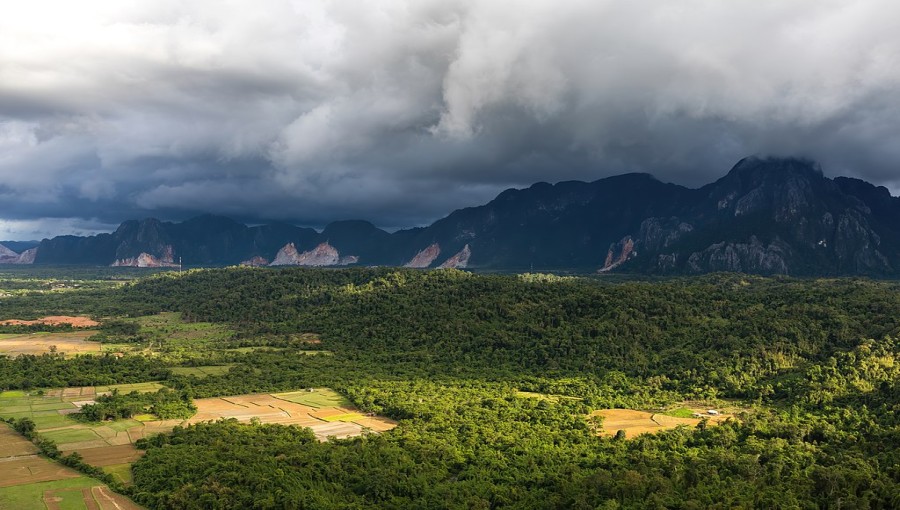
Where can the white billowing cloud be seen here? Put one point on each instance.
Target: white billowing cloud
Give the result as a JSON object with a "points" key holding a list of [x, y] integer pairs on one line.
{"points": [[401, 110]]}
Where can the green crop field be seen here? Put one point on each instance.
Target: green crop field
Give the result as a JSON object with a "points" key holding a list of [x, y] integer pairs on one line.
{"points": [[344, 417], [317, 398], [681, 412], [144, 387], [542, 396], [121, 472], [70, 435], [202, 371], [30, 496]]}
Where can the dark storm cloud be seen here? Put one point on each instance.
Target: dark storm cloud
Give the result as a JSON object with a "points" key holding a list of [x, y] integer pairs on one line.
{"points": [[399, 111]]}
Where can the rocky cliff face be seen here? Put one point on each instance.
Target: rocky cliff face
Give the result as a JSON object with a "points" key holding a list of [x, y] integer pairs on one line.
{"points": [[458, 261], [143, 260], [320, 256], [768, 216], [751, 257], [619, 254], [8, 256], [256, 261], [425, 257], [6, 253], [772, 216], [287, 256], [27, 256]]}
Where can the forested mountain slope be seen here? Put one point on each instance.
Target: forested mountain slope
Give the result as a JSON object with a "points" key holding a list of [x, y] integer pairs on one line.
{"points": [[766, 216]]}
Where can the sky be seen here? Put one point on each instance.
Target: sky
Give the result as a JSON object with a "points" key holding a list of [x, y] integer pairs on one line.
{"points": [[400, 111]]}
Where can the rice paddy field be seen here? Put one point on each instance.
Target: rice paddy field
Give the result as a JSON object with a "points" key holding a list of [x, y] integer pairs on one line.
{"points": [[30, 481], [109, 445], [324, 411]]}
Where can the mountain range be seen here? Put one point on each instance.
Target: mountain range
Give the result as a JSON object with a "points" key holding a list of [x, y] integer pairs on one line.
{"points": [[766, 216]]}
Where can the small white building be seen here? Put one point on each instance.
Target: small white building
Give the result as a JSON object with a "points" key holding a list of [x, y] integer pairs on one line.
{"points": [[712, 412]]}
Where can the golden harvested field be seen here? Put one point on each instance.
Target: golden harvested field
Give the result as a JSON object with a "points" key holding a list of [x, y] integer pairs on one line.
{"points": [[635, 423], [110, 455], [54, 320], [30, 469], [70, 342], [12, 444], [338, 421], [377, 424]]}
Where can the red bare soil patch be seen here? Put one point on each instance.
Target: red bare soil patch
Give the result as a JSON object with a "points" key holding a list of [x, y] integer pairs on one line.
{"points": [[310, 338], [54, 320]]}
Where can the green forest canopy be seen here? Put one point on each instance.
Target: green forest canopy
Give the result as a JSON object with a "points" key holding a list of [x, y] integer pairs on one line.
{"points": [[446, 351]]}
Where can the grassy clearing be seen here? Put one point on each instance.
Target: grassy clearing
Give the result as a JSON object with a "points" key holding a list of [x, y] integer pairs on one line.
{"points": [[172, 332], [114, 347], [122, 425], [321, 397], [681, 412], [203, 371], [245, 350], [122, 472], [12, 394], [543, 396], [169, 336], [147, 387]]}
